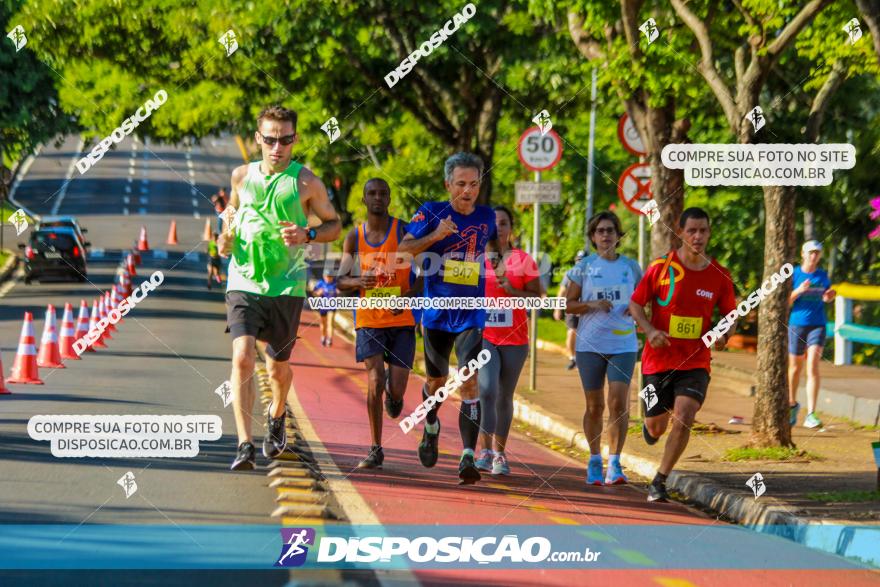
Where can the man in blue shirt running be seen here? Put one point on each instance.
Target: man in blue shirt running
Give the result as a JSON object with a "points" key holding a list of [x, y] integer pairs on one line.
{"points": [[455, 235], [811, 290]]}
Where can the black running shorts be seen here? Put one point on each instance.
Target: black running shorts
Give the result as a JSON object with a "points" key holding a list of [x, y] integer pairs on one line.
{"points": [[670, 384], [438, 345], [274, 320]]}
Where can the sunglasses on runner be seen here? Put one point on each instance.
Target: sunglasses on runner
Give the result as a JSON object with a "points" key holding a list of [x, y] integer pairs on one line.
{"points": [[285, 140]]}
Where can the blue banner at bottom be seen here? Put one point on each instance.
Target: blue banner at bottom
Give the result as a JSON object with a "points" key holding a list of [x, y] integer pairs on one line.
{"points": [[625, 547]]}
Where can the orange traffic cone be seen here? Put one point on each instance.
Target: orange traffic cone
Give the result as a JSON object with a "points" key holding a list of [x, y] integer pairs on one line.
{"points": [[136, 254], [142, 244], [3, 389], [206, 236], [24, 368], [82, 323], [68, 334], [172, 233], [124, 283], [50, 354], [115, 299], [107, 307], [130, 266], [93, 325], [102, 314]]}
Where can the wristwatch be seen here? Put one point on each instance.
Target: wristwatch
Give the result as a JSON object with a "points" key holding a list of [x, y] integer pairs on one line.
{"points": [[311, 234]]}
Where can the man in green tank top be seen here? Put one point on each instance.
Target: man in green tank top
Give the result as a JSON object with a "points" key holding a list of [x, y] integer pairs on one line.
{"points": [[266, 239]]}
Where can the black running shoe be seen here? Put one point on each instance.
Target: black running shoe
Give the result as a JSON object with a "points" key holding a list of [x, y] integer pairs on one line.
{"points": [[245, 459], [374, 460], [648, 438], [657, 492], [393, 407], [429, 447], [467, 470], [275, 440]]}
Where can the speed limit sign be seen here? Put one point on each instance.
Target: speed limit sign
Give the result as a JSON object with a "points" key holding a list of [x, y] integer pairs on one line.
{"points": [[539, 152]]}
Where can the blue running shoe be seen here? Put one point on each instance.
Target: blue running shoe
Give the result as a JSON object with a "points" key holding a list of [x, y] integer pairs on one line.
{"points": [[793, 413], [614, 475], [594, 471], [484, 463]]}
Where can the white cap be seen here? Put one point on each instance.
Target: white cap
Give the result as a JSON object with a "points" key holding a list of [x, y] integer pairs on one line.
{"points": [[810, 246]]}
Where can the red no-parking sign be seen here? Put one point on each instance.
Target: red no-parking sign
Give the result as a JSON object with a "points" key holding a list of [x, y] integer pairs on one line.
{"points": [[634, 187]]}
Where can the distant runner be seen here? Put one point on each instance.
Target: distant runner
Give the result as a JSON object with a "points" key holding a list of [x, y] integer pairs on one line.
{"points": [[506, 337], [220, 200], [456, 233], [326, 288], [806, 329], [683, 288], [599, 290], [214, 261], [382, 336], [267, 274]]}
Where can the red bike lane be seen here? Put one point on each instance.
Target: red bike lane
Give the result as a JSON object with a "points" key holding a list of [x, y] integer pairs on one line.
{"points": [[545, 488]]}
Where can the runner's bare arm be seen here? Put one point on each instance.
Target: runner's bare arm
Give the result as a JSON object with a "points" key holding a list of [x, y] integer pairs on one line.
{"points": [[224, 241], [415, 246], [345, 281], [314, 198], [656, 338]]}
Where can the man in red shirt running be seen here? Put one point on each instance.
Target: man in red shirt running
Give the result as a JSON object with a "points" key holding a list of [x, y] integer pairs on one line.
{"points": [[683, 289]]}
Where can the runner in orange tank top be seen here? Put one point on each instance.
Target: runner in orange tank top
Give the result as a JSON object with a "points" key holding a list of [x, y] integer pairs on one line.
{"points": [[372, 265]]}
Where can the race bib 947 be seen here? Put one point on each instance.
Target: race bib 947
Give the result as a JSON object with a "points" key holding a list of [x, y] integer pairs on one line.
{"points": [[461, 272]]}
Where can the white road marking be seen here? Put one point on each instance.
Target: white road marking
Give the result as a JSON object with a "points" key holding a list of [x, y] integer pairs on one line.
{"points": [[193, 191], [144, 189], [142, 211], [144, 200], [128, 189], [189, 162], [196, 214], [131, 170], [125, 199], [67, 178], [125, 211], [195, 203]]}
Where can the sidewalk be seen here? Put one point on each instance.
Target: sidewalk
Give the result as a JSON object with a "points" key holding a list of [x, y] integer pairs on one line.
{"points": [[841, 459]]}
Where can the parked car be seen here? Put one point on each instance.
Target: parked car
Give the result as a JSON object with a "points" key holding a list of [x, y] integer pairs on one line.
{"points": [[58, 221], [54, 252]]}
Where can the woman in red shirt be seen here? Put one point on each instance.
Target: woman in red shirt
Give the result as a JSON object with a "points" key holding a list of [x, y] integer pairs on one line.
{"points": [[506, 337]]}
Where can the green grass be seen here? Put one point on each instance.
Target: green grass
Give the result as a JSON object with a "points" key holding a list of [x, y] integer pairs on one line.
{"points": [[772, 453], [551, 330], [4, 255], [845, 496]]}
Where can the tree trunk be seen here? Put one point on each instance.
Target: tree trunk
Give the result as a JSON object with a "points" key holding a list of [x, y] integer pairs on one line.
{"points": [[770, 420]]}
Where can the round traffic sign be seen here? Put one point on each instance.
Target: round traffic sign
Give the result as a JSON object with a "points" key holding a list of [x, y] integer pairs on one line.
{"points": [[539, 152], [634, 187], [629, 136]]}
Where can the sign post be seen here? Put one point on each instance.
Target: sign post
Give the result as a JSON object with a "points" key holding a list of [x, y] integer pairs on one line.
{"points": [[538, 151]]}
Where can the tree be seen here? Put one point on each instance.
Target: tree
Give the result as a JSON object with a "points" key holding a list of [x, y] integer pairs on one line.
{"points": [[761, 39]]}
